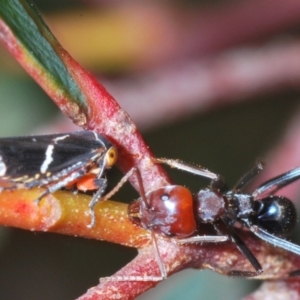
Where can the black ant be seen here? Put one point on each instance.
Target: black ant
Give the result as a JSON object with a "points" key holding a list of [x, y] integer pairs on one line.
{"points": [[173, 211]]}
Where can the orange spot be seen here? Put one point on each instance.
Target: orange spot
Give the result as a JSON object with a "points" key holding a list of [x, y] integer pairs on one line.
{"points": [[87, 183]]}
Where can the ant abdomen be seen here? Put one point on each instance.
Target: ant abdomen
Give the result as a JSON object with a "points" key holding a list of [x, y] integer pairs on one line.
{"points": [[275, 214]]}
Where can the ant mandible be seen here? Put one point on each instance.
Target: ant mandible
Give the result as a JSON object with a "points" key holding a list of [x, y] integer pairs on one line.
{"points": [[173, 211]]}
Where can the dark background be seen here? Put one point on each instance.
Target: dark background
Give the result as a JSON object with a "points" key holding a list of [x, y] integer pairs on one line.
{"points": [[226, 140]]}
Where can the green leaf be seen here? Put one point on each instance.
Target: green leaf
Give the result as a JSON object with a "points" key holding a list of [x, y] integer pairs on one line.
{"points": [[40, 45]]}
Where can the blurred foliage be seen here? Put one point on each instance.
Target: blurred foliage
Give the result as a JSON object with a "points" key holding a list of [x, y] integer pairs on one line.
{"points": [[23, 105], [227, 141]]}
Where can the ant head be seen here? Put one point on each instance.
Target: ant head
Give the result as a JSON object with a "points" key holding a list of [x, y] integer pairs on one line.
{"points": [[168, 211]]}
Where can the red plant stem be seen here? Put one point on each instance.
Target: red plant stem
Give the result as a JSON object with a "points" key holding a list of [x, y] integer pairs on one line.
{"points": [[289, 289], [66, 213], [222, 258], [103, 115]]}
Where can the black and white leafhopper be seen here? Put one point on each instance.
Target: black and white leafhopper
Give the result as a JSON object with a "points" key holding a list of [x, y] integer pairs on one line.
{"points": [[71, 160]]}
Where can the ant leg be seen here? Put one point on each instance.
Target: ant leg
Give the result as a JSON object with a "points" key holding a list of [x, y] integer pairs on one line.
{"points": [[247, 178], [274, 240], [204, 239], [249, 255], [277, 242], [278, 182], [123, 180], [219, 237], [97, 197], [217, 183], [245, 251], [197, 170], [159, 261]]}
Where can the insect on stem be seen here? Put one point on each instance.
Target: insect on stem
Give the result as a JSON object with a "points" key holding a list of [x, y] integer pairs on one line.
{"points": [[76, 161], [80, 160]]}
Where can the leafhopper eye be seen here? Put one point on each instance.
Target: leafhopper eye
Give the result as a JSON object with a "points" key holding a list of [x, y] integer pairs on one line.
{"points": [[111, 157]]}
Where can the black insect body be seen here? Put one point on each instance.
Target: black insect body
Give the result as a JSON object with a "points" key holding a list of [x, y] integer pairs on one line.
{"points": [[72, 160], [79, 160], [174, 212]]}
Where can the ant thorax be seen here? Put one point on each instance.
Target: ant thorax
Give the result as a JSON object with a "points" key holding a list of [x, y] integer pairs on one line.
{"points": [[209, 205], [239, 205]]}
